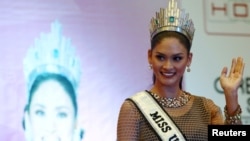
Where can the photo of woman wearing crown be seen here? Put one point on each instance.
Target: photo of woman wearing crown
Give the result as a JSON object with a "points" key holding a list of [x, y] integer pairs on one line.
{"points": [[166, 111], [52, 72]]}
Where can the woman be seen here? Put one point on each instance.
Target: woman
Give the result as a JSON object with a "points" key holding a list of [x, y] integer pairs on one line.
{"points": [[166, 111], [52, 73]]}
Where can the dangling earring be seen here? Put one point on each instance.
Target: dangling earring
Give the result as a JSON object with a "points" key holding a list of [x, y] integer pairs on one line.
{"points": [[150, 66], [188, 69], [78, 134]]}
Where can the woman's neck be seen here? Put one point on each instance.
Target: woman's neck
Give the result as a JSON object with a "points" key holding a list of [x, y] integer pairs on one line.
{"points": [[169, 92]]}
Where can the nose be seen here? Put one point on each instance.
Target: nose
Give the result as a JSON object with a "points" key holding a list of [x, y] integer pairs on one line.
{"points": [[167, 64], [50, 125]]}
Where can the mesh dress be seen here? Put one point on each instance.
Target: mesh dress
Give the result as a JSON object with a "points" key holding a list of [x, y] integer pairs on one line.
{"points": [[192, 119]]}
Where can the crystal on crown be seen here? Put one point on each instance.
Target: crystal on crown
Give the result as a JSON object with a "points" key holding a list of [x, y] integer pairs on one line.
{"points": [[52, 53], [172, 18]]}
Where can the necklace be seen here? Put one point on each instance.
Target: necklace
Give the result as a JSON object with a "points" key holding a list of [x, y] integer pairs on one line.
{"points": [[173, 102]]}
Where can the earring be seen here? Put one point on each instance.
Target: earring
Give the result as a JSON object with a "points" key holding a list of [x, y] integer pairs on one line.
{"points": [[188, 69], [78, 134], [150, 66]]}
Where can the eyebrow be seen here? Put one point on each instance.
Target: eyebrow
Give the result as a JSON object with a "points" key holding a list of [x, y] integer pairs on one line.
{"points": [[159, 53], [57, 108]]}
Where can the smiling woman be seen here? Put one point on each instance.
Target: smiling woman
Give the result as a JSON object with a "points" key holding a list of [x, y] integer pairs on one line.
{"points": [[166, 111], [52, 74]]}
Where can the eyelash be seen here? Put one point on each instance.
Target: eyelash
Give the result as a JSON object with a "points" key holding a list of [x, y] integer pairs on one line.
{"points": [[62, 115], [41, 113], [175, 58], [178, 58]]}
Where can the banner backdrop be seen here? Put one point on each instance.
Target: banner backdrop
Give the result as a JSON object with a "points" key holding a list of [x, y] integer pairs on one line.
{"points": [[112, 38]]}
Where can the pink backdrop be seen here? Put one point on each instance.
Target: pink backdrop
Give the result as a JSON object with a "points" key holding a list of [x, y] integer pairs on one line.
{"points": [[109, 36]]}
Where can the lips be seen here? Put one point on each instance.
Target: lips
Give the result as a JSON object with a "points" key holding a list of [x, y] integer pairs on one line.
{"points": [[168, 74]]}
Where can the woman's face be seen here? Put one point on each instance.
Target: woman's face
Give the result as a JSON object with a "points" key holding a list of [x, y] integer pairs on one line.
{"points": [[169, 59], [51, 113]]}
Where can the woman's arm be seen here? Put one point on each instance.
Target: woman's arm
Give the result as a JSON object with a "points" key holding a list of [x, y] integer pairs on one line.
{"points": [[230, 84], [128, 122]]}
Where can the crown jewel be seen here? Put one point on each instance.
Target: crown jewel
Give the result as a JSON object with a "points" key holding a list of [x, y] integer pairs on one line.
{"points": [[172, 18], [52, 53]]}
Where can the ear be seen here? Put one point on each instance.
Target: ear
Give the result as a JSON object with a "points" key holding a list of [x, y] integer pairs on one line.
{"points": [[78, 131], [78, 134], [24, 116], [26, 126], [190, 56], [150, 56]]}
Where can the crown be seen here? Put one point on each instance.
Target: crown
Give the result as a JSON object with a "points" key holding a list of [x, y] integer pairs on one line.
{"points": [[172, 18], [52, 53]]}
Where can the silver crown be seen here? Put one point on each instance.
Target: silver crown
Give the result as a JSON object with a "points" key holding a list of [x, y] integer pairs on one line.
{"points": [[52, 53], [172, 18]]}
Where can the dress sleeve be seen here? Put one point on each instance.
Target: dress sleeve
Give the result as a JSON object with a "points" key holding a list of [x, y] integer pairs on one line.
{"points": [[216, 113], [128, 122]]}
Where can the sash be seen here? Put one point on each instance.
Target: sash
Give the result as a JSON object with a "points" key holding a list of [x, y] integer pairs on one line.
{"points": [[157, 117]]}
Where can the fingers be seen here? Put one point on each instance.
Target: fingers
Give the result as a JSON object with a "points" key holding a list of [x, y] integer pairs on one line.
{"points": [[224, 71], [232, 66], [239, 67]]}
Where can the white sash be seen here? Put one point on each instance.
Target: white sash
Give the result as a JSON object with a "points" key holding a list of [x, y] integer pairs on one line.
{"points": [[157, 117]]}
